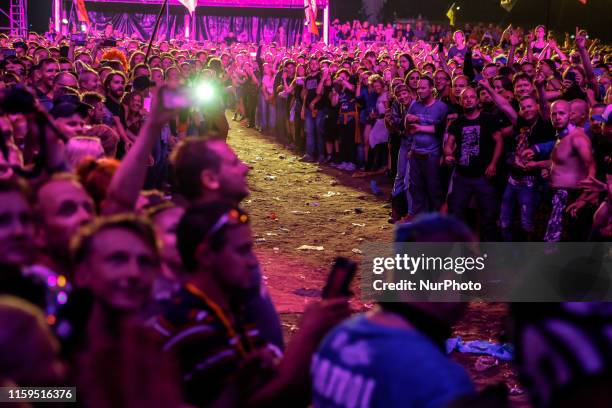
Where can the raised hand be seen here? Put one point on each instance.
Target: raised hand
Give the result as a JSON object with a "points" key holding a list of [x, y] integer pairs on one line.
{"points": [[485, 84], [515, 39], [580, 39], [540, 80]]}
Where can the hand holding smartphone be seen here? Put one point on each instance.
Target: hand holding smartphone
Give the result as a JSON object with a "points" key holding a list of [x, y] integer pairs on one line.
{"points": [[339, 280]]}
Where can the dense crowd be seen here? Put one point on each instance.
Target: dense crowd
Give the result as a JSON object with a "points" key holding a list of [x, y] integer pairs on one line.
{"points": [[409, 31], [126, 263]]}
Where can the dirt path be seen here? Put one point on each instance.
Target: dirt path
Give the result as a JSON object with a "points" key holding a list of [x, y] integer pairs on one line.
{"points": [[294, 203]]}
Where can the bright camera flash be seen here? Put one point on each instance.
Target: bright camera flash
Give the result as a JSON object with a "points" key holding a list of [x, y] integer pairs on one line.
{"points": [[204, 92]]}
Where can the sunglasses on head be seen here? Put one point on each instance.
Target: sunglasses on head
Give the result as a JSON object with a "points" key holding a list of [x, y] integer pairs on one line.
{"points": [[232, 217]]}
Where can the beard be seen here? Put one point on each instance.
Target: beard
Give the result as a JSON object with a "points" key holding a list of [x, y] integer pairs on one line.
{"points": [[117, 94]]}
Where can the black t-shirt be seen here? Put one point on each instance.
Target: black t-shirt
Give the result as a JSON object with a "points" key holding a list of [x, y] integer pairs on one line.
{"points": [[311, 83], [346, 101], [501, 118], [325, 102], [297, 93], [116, 109], [475, 144], [278, 81]]}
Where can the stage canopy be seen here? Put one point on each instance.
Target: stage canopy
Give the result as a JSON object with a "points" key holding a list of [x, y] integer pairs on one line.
{"points": [[278, 4]]}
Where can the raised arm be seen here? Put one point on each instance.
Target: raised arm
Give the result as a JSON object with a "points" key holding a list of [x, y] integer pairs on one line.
{"points": [[504, 35], [500, 101], [586, 59], [540, 83], [515, 40], [127, 182], [529, 45]]}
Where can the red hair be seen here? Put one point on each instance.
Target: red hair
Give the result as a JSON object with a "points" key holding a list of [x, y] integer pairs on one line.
{"points": [[116, 55]]}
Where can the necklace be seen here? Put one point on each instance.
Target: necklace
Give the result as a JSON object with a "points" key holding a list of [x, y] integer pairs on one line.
{"points": [[231, 332]]}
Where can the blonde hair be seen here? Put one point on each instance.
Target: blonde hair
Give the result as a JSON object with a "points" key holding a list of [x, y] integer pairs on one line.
{"points": [[108, 137], [81, 147]]}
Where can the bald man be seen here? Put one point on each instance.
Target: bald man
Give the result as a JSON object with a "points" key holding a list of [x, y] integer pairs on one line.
{"points": [[579, 113], [63, 80], [64, 206], [571, 161]]}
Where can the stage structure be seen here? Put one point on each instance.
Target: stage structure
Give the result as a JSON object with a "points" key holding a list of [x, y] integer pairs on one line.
{"points": [[281, 21], [17, 15]]}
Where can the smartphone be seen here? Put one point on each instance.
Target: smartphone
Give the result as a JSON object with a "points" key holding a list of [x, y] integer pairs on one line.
{"points": [[440, 46], [8, 52], [173, 100], [253, 54], [109, 42], [339, 279], [64, 49], [571, 76]]}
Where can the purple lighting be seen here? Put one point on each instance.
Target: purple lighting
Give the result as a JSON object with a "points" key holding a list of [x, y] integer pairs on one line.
{"points": [[62, 298], [299, 4]]}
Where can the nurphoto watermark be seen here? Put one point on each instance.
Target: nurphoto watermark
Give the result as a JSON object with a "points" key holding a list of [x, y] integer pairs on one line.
{"points": [[493, 272]]}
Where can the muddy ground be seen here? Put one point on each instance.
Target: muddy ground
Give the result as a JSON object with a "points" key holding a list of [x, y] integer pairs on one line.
{"points": [[295, 203]]}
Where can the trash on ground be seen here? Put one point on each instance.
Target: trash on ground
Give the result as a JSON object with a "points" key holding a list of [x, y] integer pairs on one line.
{"points": [[515, 390], [310, 248], [331, 194], [502, 351], [307, 292], [484, 363]]}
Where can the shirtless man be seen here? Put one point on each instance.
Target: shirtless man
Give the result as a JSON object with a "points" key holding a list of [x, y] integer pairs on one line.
{"points": [[571, 161]]}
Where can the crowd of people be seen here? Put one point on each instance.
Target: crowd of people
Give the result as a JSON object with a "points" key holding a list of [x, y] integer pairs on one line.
{"points": [[127, 266], [409, 31]]}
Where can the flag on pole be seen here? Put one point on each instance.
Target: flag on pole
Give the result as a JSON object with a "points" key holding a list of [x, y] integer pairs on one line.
{"points": [[310, 6], [451, 14], [508, 5], [190, 4], [82, 12]]}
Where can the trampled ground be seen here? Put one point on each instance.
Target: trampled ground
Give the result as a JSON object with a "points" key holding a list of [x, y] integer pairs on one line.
{"points": [[294, 204]]}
